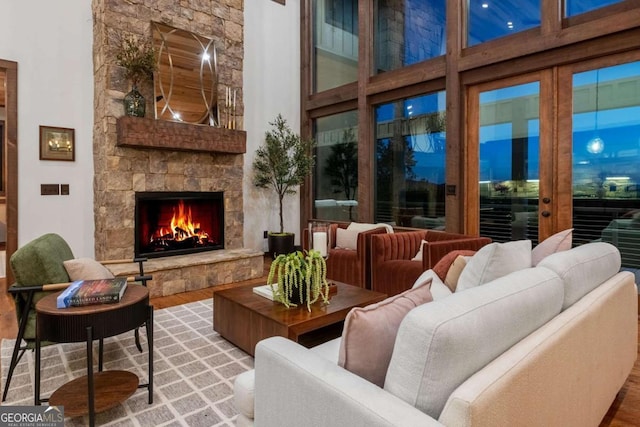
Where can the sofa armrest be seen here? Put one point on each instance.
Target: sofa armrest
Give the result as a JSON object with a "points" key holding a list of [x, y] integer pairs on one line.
{"points": [[433, 252], [296, 387]]}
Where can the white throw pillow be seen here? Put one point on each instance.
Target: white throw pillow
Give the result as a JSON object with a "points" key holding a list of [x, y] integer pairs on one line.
{"points": [[360, 226], [418, 256], [438, 289], [494, 261], [86, 269], [347, 239]]}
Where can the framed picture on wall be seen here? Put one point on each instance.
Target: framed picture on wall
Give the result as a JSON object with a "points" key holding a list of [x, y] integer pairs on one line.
{"points": [[57, 143]]}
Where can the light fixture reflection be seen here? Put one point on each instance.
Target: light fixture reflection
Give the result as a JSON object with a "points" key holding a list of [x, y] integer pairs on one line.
{"points": [[596, 145]]}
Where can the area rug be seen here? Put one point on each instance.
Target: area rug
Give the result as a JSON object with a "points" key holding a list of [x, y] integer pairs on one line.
{"points": [[194, 369]]}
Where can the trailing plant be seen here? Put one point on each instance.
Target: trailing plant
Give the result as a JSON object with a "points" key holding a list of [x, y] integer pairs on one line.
{"points": [[283, 162], [300, 277], [137, 57]]}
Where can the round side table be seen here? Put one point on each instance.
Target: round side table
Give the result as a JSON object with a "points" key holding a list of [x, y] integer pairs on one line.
{"points": [[106, 389]]}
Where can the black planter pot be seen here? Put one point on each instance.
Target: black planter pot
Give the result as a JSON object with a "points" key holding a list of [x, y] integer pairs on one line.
{"points": [[281, 243]]}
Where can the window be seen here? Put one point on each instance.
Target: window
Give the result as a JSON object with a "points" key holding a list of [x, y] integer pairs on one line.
{"points": [[576, 7], [490, 19], [336, 169], [410, 162], [606, 155], [408, 32], [335, 54]]}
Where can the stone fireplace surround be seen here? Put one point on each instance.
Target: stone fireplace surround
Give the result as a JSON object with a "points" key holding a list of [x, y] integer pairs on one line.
{"points": [[173, 164], [133, 154]]}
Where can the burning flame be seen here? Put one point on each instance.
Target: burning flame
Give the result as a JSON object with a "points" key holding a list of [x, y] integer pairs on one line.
{"points": [[182, 226]]}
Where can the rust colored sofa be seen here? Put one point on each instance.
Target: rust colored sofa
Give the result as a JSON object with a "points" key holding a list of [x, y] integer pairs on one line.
{"points": [[393, 271], [351, 266]]}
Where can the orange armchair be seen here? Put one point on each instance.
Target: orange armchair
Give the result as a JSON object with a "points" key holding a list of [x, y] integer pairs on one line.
{"points": [[349, 265], [392, 268]]}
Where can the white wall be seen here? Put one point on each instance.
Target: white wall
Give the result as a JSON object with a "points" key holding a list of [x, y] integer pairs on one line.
{"points": [[271, 86], [52, 43]]}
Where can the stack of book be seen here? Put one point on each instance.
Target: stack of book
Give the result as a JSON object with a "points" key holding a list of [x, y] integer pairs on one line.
{"points": [[88, 292]]}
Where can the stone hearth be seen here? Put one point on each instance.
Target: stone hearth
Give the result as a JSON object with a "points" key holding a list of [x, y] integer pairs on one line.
{"points": [[175, 274]]}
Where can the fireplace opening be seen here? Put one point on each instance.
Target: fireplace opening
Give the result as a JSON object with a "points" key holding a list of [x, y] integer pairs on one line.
{"points": [[177, 223]]}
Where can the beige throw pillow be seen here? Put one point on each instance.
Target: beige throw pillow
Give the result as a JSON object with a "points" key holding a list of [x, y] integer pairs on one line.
{"points": [[86, 269], [559, 242], [346, 239], [454, 272], [494, 261], [370, 332]]}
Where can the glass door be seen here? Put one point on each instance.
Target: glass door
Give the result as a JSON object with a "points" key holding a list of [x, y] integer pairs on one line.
{"points": [[600, 101], [510, 162]]}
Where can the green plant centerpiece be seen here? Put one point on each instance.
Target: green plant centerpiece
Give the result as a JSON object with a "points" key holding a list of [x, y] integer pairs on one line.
{"points": [[301, 279], [138, 58], [282, 163]]}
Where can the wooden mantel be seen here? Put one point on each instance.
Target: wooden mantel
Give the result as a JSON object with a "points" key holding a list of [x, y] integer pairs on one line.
{"points": [[138, 132]]}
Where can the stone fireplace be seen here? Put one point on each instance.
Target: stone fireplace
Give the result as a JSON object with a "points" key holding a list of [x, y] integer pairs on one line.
{"points": [[178, 223], [135, 155]]}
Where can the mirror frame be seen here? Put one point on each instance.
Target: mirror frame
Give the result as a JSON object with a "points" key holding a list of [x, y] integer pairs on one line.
{"points": [[186, 81]]}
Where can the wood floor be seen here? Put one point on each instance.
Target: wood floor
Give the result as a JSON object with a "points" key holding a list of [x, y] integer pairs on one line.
{"points": [[625, 410]]}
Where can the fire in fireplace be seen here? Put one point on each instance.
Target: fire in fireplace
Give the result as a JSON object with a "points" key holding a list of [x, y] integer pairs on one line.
{"points": [[175, 223]]}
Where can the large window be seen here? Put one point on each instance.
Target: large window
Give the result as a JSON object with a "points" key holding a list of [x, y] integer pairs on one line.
{"points": [[336, 170], [606, 156], [490, 19], [335, 54], [407, 32], [410, 162], [576, 7]]}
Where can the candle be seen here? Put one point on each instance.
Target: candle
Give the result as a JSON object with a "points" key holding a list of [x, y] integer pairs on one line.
{"points": [[320, 243]]}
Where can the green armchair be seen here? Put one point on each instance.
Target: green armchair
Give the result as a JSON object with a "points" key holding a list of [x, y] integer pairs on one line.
{"points": [[38, 270]]}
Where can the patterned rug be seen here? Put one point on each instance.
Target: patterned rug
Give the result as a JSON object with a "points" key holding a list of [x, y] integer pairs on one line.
{"points": [[194, 369]]}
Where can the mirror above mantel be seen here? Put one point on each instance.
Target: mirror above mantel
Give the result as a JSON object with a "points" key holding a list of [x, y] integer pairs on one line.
{"points": [[186, 81]]}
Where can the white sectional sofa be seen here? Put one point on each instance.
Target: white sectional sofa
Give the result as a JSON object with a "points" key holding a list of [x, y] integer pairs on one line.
{"points": [[544, 346]]}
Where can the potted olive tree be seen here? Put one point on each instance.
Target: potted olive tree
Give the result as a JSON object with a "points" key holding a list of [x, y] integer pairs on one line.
{"points": [[281, 164]]}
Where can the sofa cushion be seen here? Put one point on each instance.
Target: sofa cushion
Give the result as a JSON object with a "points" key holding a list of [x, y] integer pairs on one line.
{"points": [[86, 269], [346, 239], [560, 241], [583, 268], [441, 344], [376, 323], [244, 388], [493, 261]]}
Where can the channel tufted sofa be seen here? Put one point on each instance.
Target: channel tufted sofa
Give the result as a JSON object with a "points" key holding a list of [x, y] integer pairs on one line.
{"points": [[546, 346], [392, 268]]}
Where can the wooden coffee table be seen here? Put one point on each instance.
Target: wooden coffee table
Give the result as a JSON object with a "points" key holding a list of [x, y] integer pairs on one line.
{"points": [[244, 318]]}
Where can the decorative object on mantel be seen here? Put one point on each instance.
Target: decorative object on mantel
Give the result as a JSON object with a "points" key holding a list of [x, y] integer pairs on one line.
{"points": [[282, 163], [302, 279], [57, 143], [138, 58], [230, 107]]}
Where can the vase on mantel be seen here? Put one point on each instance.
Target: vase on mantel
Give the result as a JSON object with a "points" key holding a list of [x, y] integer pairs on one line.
{"points": [[134, 103]]}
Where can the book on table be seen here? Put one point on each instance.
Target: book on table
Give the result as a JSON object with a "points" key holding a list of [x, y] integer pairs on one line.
{"points": [[265, 291], [88, 292]]}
